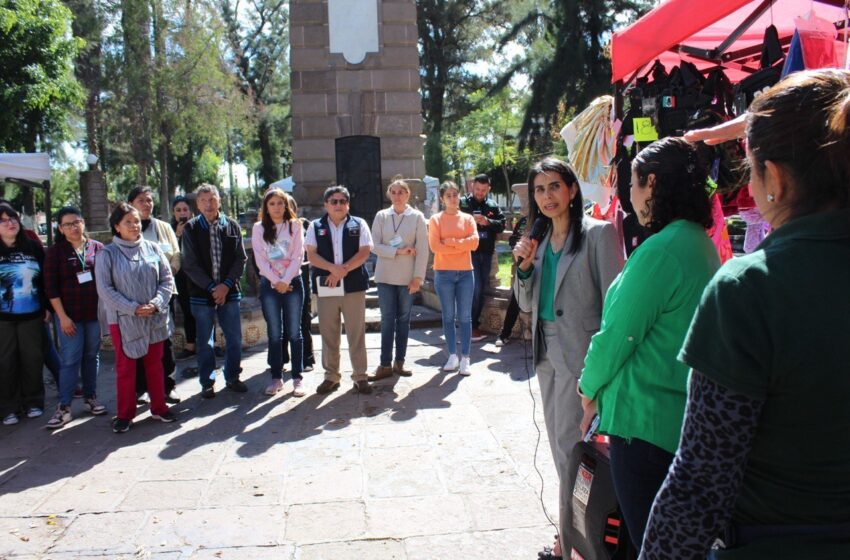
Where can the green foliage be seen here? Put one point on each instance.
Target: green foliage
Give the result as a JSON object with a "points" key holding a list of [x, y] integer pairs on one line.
{"points": [[38, 90]]}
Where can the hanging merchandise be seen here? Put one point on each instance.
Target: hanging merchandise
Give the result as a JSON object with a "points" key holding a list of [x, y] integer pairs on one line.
{"points": [[817, 37], [718, 232], [590, 138]]}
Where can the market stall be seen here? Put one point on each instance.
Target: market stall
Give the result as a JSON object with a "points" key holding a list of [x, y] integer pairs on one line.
{"points": [[33, 171]]}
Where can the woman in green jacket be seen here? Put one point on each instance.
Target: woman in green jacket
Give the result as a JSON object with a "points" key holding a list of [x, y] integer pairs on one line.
{"points": [[631, 373]]}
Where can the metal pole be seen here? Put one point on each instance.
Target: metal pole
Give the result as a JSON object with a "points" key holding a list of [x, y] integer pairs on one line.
{"points": [[48, 218]]}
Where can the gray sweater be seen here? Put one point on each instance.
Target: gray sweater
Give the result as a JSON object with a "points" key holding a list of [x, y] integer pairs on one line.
{"points": [[399, 270], [130, 274]]}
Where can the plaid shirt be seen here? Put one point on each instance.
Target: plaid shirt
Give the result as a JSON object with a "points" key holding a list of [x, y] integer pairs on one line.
{"points": [[61, 266], [215, 251]]}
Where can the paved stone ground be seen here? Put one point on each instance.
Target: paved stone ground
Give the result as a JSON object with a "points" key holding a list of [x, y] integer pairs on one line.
{"points": [[435, 466]]}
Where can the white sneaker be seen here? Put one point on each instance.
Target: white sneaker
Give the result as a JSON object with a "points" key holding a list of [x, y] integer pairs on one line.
{"points": [[11, 419], [464, 366], [502, 342], [297, 388], [274, 387], [34, 412], [452, 364]]}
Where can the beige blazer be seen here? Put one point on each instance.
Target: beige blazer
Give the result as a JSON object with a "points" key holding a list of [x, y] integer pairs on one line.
{"points": [[582, 281]]}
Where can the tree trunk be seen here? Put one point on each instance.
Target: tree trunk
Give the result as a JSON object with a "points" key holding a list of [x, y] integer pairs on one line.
{"points": [[136, 27], [270, 169], [162, 110]]}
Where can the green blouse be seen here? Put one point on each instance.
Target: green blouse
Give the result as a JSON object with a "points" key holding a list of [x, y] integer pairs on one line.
{"points": [[631, 366]]}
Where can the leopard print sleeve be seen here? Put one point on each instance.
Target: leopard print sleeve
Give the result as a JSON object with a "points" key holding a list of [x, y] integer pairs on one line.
{"points": [[696, 500]]}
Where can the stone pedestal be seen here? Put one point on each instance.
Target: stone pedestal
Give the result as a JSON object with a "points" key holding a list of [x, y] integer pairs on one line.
{"points": [[332, 97], [95, 206]]}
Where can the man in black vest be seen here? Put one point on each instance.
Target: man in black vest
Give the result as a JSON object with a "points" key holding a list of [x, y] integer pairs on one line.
{"points": [[338, 245], [214, 260]]}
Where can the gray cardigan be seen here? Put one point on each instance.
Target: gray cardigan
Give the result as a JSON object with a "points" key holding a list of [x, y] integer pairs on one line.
{"points": [[399, 270], [130, 274]]}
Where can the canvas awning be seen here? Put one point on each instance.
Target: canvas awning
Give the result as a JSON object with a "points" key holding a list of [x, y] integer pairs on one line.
{"points": [[679, 30], [34, 168]]}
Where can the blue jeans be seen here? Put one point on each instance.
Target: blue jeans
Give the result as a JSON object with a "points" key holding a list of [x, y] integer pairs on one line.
{"points": [[80, 357], [481, 264], [231, 325], [395, 303], [454, 287], [51, 357], [283, 310]]}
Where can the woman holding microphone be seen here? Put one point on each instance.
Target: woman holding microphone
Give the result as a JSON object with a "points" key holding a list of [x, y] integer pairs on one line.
{"points": [[564, 269], [401, 244]]}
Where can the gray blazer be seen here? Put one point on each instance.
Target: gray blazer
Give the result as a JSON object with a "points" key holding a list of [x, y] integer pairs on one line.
{"points": [[582, 281]]}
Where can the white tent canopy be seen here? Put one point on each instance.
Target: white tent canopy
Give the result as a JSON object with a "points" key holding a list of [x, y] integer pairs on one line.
{"points": [[28, 167], [286, 184]]}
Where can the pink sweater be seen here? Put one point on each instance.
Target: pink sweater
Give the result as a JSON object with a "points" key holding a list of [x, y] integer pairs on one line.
{"points": [[286, 267]]}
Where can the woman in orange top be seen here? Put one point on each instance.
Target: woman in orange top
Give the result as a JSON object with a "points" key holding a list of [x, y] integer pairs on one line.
{"points": [[453, 237]]}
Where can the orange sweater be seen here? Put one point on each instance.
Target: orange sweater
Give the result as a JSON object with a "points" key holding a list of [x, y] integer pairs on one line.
{"points": [[461, 228]]}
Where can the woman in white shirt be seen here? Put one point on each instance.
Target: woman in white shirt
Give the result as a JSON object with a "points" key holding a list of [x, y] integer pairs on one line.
{"points": [[278, 246], [400, 235]]}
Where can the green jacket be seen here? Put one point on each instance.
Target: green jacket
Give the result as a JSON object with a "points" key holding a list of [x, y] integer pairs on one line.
{"points": [[631, 366]]}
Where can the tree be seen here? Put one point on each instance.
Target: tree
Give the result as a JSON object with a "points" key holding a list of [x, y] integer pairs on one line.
{"points": [[451, 34], [136, 27], [258, 41], [88, 26], [38, 90], [568, 61]]}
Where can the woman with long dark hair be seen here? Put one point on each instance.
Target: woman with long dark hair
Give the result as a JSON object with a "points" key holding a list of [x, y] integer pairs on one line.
{"points": [[764, 456], [23, 310], [631, 369], [565, 265], [134, 284], [70, 286], [278, 246]]}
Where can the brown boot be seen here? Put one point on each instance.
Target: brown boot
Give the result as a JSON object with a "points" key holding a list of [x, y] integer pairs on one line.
{"points": [[398, 369], [382, 372]]}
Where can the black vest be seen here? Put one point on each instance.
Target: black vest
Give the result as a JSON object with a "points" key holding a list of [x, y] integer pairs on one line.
{"points": [[356, 280]]}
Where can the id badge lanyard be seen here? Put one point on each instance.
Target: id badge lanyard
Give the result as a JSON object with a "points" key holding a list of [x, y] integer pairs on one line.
{"points": [[85, 275], [396, 241]]}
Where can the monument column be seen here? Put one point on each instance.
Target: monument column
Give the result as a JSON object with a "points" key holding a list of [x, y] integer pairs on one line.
{"points": [[354, 72]]}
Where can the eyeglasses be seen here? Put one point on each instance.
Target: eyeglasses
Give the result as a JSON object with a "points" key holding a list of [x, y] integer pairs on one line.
{"points": [[75, 223], [7, 221], [337, 201]]}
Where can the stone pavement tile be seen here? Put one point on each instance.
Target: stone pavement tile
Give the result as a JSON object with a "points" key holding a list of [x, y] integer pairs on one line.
{"points": [[213, 527], [442, 396], [421, 515], [396, 434], [508, 544], [183, 463], [324, 483], [384, 460], [140, 554], [371, 549], [30, 535], [281, 552], [400, 483], [327, 522], [25, 501], [308, 453], [505, 510], [462, 447], [243, 491], [94, 491], [253, 459], [482, 476], [163, 494], [456, 418], [95, 532]]}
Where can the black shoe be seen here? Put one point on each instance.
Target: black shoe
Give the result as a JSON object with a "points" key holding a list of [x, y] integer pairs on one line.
{"points": [[219, 352], [327, 386], [166, 417], [237, 386], [362, 387], [208, 392], [189, 372], [184, 355], [119, 426], [172, 397], [307, 367]]}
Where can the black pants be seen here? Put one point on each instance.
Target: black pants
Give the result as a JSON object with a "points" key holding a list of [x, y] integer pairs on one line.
{"points": [[510, 317], [183, 300], [638, 469], [306, 319], [21, 360]]}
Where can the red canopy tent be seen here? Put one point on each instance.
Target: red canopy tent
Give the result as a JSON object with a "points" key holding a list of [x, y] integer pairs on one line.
{"points": [[725, 33]]}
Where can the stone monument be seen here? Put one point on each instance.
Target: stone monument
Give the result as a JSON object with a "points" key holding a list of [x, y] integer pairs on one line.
{"points": [[356, 105]]}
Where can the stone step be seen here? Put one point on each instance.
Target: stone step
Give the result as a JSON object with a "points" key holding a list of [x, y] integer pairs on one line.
{"points": [[420, 317]]}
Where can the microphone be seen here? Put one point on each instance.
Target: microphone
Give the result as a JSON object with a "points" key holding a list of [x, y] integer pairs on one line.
{"points": [[538, 230]]}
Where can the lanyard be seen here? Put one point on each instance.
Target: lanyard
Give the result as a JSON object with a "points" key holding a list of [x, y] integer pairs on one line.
{"points": [[395, 228], [82, 258]]}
